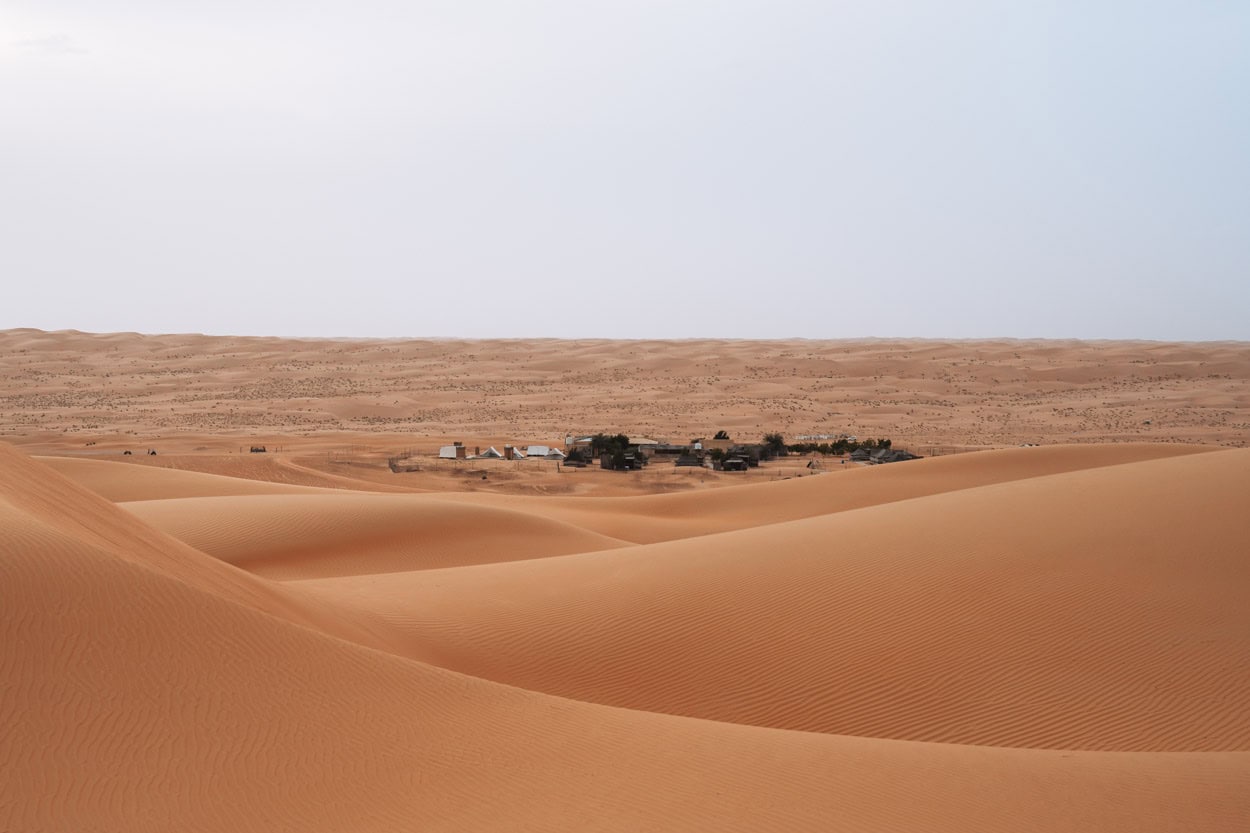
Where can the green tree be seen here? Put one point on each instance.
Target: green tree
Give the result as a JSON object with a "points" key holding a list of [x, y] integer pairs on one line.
{"points": [[605, 444], [775, 443]]}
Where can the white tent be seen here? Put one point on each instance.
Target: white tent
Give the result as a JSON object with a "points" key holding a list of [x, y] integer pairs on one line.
{"points": [[544, 452], [447, 452], [491, 452]]}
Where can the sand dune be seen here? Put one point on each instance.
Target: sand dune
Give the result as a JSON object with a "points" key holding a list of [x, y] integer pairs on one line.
{"points": [[124, 482], [140, 699], [652, 518], [69, 512], [285, 536], [348, 534], [1099, 609]]}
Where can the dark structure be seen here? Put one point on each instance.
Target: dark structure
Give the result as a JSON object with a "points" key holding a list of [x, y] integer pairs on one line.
{"points": [[753, 453], [878, 456], [891, 455], [631, 460], [735, 463]]}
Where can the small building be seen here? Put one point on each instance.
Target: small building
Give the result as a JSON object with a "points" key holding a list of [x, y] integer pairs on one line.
{"points": [[753, 453], [573, 443], [455, 451], [670, 449], [631, 460]]}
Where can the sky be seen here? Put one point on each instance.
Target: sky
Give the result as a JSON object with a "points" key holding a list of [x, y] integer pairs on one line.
{"points": [[631, 169]]}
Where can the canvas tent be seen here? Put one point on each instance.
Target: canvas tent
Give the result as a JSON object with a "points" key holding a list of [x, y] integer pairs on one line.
{"points": [[544, 452]]}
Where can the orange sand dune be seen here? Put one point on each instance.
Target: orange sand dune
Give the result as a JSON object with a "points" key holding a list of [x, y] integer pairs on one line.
{"points": [[653, 518], [349, 533], [68, 511], [124, 482], [141, 694], [346, 534], [1101, 609]]}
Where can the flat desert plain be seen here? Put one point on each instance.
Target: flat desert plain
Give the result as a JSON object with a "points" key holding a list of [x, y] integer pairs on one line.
{"points": [[996, 637]]}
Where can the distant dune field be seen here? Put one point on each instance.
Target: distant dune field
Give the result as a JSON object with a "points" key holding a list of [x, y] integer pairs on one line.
{"points": [[1051, 638], [61, 390]]}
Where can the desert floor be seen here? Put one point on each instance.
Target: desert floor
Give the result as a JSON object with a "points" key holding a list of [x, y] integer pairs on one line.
{"points": [[1049, 638]]}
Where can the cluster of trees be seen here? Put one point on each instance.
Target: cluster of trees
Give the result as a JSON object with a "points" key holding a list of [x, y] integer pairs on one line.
{"points": [[777, 446], [617, 444], [837, 447]]}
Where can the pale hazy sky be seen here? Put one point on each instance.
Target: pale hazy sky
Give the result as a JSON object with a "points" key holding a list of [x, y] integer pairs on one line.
{"points": [[627, 169]]}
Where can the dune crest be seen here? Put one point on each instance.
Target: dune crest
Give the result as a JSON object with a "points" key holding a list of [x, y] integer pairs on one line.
{"points": [[1100, 609]]}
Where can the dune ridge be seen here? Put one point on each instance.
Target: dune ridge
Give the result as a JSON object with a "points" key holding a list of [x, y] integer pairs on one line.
{"points": [[299, 536], [121, 482], [74, 513], [1100, 609], [654, 518]]}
